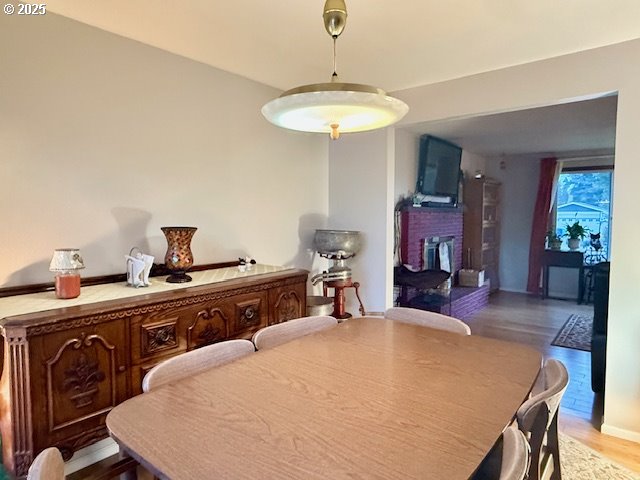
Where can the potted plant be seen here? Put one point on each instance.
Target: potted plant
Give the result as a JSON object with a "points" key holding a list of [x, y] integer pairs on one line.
{"points": [[554, 242], [575, 232]]}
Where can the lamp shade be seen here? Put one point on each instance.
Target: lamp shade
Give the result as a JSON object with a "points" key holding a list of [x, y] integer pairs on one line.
{"points": [[65, 259], [334, 107], [327, 107]]}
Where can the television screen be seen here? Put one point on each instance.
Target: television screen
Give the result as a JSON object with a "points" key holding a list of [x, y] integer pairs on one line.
{"points": [[438, 168]]}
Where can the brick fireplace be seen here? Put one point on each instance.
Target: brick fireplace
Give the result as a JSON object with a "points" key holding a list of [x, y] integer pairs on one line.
{"points": [[426, 227], [420, 224]]}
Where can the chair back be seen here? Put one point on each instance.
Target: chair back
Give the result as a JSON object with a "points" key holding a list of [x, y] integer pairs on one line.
{"points": [[48, 465], [516, 454], [547, 393], [425, 318], [275, 335], [538, 417], [195, 361]]}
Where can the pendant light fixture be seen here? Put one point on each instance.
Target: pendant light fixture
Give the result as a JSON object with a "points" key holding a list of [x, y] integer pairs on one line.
{"points": [[334, 107]]}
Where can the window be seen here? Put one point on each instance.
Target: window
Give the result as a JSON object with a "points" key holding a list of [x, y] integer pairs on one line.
{"points": [[585, 197]]}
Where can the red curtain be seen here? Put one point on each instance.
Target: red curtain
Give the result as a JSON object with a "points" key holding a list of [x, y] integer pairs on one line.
{"points": [[540, 222]]}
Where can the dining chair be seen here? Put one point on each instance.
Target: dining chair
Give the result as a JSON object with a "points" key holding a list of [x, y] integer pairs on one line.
{"points": [[516, 454], [195, 361], [425, 318], [538, 418], [280, 333], [48, 465], [509, 459]]}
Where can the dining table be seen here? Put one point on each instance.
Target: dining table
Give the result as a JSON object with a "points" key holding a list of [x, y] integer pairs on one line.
{"points": [[370, 398]]}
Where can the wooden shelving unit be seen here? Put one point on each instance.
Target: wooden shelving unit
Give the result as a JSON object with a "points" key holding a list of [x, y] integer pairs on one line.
{"points": [[481, 234]]}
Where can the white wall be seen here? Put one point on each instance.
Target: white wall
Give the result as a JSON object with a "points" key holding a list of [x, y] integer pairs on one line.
{"points": [[104, 140], [566, 78], [519, 188], [361, 183], [471, 162], [407, 149]]}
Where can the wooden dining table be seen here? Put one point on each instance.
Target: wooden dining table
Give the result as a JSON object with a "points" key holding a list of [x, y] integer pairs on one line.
{"points": [[368, 399]]}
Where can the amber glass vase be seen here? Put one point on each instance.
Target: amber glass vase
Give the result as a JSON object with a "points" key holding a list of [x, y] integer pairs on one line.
{"points": [[178, 258]]}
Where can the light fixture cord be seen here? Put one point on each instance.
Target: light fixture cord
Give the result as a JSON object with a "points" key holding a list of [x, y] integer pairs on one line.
{"points": [[335, 69]]}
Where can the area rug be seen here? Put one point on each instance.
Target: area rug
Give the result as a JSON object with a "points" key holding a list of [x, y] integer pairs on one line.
{"points": [[575, 333], [579, 462]]}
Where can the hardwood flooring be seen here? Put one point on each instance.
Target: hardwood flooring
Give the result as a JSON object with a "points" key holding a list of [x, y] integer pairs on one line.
{"points": [[530, 320]]}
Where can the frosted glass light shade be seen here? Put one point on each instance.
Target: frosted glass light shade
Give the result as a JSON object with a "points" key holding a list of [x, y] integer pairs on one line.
{"points": [[349, 106]]}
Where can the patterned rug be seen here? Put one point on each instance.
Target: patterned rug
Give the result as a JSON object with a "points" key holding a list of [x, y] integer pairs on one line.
{"points": [[579, 462], [575, 333]]}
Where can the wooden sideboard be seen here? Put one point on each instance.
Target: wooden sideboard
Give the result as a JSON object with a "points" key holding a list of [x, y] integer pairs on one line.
{"points": [[64, 369]]}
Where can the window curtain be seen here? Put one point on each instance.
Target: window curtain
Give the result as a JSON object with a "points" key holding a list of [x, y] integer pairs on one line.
{"points": [[546, 186]]}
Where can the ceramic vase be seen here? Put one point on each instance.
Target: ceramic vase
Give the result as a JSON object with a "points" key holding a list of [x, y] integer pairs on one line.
{"points": [[574, 243], [178, 258]]}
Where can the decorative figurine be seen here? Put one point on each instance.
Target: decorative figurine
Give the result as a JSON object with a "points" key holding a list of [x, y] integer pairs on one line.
{"points": [[138, 268], [245, 264]]}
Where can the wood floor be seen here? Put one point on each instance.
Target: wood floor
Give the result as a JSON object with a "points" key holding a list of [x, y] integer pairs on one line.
{"points": [[533, 321]]}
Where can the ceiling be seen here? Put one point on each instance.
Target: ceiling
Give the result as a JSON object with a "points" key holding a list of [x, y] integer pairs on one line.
{"points": [[566, 129], [393, 45]]}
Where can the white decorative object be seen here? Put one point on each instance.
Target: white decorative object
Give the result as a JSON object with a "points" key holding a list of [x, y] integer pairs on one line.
{"points": [[66, 259], [66, 262], [138, 268], [245, 264]]}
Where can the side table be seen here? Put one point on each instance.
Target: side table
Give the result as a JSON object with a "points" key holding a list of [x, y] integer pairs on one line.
{"points": [[564, 259]]}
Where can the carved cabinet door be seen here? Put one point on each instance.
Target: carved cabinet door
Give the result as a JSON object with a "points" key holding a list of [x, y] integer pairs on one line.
{"points": [[287, 302], [78, 376]]}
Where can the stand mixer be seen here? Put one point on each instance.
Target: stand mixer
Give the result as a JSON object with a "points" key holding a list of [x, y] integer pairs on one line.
{"points": [[337, 246]]}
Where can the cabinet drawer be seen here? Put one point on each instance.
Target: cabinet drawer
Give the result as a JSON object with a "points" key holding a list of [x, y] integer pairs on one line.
{"points": [[155, 335], [249, 314]]}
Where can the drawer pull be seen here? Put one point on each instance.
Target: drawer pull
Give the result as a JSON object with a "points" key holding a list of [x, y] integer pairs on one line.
{"points": [[250, 312]]}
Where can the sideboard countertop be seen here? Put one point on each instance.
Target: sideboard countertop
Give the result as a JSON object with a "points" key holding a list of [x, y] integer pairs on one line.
{"points": [[43, 301]]}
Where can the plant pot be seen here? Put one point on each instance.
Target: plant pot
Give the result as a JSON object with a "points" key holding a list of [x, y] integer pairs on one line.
{"points": [[574, 243], [555, 245]]}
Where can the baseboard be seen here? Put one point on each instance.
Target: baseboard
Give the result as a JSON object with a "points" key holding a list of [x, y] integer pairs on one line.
{"points": [[620, 433], [512, 290], [554, 295], [89, 455]]}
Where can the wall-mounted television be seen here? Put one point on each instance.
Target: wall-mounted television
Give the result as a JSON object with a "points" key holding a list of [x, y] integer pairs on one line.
{"points": [[439, 169]]}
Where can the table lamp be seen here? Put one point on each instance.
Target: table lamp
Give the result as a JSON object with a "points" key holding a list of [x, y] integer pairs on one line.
{"points": [[66, 262]]}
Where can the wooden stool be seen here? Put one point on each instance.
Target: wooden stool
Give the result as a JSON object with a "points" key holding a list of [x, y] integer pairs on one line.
{"points": [[338, 300]]}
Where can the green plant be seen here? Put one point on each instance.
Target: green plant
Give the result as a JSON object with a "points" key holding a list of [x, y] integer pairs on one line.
{"points": [[576, 231], [552, 237], [554, 242]]}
